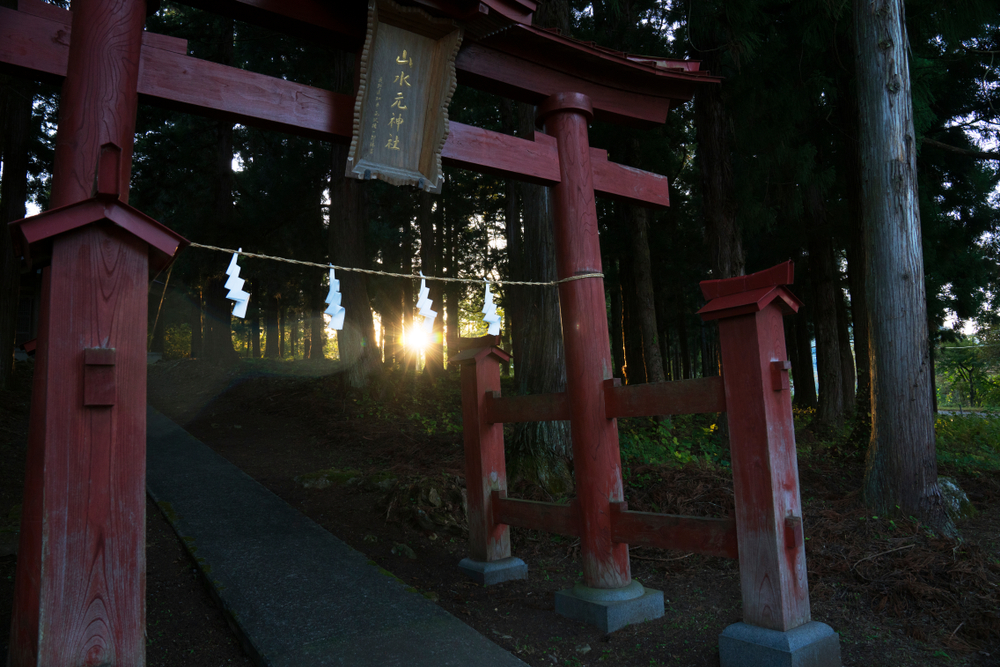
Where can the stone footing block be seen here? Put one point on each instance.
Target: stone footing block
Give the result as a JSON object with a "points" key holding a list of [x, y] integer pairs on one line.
{"points": [[494, 572], [610, 609], [811, 645]]}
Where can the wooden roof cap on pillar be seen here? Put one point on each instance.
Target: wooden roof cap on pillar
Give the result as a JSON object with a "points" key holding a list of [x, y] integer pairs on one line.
{"points": [[33, 235], [502, 53], [742, 295], [472, 350]]}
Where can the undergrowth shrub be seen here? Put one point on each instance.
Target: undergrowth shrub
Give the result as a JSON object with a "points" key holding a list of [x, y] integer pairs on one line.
{"points": [[675, 441], [968, 442]]}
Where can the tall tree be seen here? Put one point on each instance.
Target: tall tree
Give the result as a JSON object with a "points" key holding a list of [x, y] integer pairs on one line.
{"points": [[830, 408], [901, 468], [540, 450], [348, 227], [15, 117]]}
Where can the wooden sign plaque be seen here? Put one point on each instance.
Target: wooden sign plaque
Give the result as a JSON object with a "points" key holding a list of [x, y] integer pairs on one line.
{"points": [[406, 83]]}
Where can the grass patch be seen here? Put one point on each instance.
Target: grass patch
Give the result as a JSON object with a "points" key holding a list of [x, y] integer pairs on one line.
{"points": [[968, 443], [673, 441]]}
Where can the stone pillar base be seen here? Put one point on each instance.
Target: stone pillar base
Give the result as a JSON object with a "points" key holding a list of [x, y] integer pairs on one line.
{"points": [[610, 609], [488, 573], [811, 645]]}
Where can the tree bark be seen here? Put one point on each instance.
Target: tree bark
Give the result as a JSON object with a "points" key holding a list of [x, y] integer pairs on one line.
{"points": [[856, 260], [635, 365], [722, 232], [802, 375], [272, 336], [255, 332], [349, 203], [429, 256], [452, 291], [846, 357], [830, 408], [613, 281], [197, 326], [847, 114], [15, 112], [901, 467], [645, 302], [218, 333], [515, 263], [540, 452], [217, 342], [406, 292]]}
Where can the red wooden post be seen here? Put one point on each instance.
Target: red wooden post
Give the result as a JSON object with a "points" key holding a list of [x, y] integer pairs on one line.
{"points": [[79, 594], [596, 459], [490, 561], [99, 95], [749, 312], [80, 587]]}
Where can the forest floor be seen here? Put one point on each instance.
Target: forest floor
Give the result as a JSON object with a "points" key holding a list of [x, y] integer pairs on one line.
{"points": [[383, 471]]}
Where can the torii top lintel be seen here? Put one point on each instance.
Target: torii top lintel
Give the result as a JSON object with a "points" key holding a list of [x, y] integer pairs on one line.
{"points": [[502, 53]]}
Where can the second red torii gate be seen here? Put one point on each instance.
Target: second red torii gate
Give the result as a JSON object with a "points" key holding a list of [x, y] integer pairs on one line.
{"points": [[101, 46]]}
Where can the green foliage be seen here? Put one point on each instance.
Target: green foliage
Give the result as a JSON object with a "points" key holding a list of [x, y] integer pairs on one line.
{"points": [[677, 441], [969, 443], [177, 341], [967, 374]]}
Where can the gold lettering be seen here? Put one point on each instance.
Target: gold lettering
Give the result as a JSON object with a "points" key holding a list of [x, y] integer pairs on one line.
{"points": [[402, 78], [393, 144], [398, 102], [403, 60], [396, 120]]}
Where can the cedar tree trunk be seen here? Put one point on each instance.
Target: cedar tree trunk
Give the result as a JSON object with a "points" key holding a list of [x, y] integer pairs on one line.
{"points": [[901, 468], [540, 451]]}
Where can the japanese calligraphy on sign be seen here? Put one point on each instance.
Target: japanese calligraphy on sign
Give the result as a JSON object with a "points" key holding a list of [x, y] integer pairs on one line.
{"points": [[401, 111]]}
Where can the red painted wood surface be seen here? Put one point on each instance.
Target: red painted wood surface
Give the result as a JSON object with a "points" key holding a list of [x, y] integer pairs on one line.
{"points": [[549, 517], [520, 76], [462, 344], [700, 535], [81, 599], [99, 95], [517, 61], [782, 274], [682, 397], [197, 86], [485, 469], [80, 595], [33, 235], [746, 303], [99, 381], [28, 580], [596, 459], [765, 472], [533, 408]]}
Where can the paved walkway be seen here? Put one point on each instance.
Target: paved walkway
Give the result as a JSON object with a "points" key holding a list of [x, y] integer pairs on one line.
{"points": [[300, 596]]}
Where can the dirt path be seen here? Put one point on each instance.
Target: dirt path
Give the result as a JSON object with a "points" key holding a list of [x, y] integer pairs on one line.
{"points": [[390, 485], [384, 473]]}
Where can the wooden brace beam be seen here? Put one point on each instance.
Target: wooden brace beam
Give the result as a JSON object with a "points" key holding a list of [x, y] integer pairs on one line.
{"points": [[700, 535], [683, 397], [550, 517], [533, 408]]}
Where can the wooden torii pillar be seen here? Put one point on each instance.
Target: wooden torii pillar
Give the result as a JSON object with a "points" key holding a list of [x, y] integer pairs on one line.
{"points": [[778, 628], [607, 597], [80, 587]]}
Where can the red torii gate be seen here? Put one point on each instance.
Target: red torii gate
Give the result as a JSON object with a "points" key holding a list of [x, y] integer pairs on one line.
{"points": [[80, 583]]}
